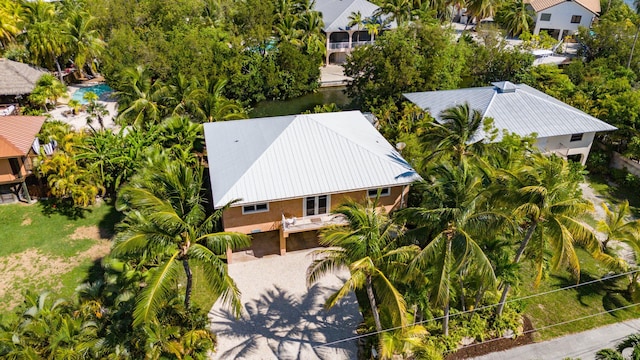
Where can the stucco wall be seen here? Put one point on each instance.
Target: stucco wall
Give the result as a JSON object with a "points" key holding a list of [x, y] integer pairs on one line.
{"points": [[234, 220], [620, 162], [561, 17], [564, 146]]}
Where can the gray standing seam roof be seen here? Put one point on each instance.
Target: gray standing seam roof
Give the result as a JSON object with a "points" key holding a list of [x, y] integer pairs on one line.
{"points": [[517, 108], [287, 157], [335, 13]]}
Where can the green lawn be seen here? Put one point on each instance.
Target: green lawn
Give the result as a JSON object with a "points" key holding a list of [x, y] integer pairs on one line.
{"points": [[45, 248]]}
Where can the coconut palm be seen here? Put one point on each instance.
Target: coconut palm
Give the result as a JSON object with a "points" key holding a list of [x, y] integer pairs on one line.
{"points": [[457, 136], [481, 9], [549, 206], [180, 94], [368, 246], [311, 24], [9, 21], [45, 38], [168, 228], [398, 10], [84, 40], [210, 104], [451, 226], [356, 19], [516, 17], [138, 97], [630, 342], [616, 226], [47, 91]]}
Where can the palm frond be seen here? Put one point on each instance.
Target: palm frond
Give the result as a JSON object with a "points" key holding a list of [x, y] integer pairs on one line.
{"points": [[157, 291]]}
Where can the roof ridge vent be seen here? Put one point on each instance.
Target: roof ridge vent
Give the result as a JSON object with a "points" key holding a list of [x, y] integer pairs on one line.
{"points": [[504, 86]]}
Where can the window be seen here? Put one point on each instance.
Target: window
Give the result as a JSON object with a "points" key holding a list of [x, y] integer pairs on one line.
{"points": [[383, 192], [545, 17], [316, 205], [576, 137], [575, 19], [255, 208]]}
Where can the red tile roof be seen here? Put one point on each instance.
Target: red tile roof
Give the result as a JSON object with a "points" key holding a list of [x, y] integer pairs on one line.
{"points": [[17, 134]]}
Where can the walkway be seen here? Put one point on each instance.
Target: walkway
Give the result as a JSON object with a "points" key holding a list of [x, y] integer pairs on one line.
{"points": [[283, 319], [333, 75], [582, 345]]}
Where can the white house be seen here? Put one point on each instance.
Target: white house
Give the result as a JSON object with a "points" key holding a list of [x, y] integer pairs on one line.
{"points": [[342, 38], [560, 18], [521, 109]]}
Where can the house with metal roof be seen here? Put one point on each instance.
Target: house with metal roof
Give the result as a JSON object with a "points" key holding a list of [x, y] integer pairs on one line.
{"points": [[523, 110], [17, 150], [560, 18], [342, 37], [287, 173]]}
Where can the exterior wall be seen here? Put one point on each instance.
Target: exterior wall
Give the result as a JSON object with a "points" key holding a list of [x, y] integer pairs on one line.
{"points": [[620, 162], [561, 18], [234, 220], [562, 145], [6, 174], [345, 47]]}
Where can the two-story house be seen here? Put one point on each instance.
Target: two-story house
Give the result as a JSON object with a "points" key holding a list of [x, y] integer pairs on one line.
{"points": [[560, 18], [343, 36], [523, 110], [17, 138], [287, 173]]}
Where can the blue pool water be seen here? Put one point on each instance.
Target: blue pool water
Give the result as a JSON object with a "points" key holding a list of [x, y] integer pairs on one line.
{"points": [[100, 90]]}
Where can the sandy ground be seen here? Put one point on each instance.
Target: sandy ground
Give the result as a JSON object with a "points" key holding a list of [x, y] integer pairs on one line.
{"points": [[282, 318], [79, 122]]}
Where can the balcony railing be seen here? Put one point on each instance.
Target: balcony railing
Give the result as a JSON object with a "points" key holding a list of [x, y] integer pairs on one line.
{"points": [[345, 44], [307, 223]]}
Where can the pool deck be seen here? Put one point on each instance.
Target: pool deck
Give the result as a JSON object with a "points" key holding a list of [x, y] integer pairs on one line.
{"points": [[79, 121]]}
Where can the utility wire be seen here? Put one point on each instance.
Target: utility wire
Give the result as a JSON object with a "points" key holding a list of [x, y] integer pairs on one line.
{"points": [[550, 326], [356, 337]]}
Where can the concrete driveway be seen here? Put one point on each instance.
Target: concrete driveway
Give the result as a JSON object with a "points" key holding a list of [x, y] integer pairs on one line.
{"points": [[283, 319]]}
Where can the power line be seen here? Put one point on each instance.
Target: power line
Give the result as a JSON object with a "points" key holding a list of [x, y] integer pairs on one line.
{"points": [[550, 326], [356, 337]]}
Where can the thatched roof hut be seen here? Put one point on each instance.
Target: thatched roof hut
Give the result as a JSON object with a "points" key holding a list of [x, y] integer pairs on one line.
{"points": [[17, 78]]}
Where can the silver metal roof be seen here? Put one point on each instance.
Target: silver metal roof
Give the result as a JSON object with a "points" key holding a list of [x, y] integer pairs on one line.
{"points": [[517, 108], [285, 157], [335, 13]]}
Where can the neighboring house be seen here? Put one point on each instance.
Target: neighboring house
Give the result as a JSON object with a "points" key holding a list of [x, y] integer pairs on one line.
{"points": [[560, 18], [17, 80], [18, 147], [342, 38], [523, 110], [289, 172]]}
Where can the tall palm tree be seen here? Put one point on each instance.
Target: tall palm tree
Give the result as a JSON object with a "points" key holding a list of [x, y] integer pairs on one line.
{"points": [[636, 5], [481, 9], [168, 228], [616, 226], [44, 36], [369, 248], [452, 224], [139, 97], [84, 40], [9, 21], [516, 16], [548, 205], [399, 10], [458, 135], [356, 19], [311, 24], [211, 104]]}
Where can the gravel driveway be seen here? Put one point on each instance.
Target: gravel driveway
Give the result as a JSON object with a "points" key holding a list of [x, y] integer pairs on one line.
{"points": [[283, 319]]}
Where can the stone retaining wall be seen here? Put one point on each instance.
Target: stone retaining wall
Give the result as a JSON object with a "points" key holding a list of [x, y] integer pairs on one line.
{"points": [[620, 162]]}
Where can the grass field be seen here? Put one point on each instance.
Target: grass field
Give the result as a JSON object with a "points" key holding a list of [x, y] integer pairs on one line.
{"points": [[44, 248]]}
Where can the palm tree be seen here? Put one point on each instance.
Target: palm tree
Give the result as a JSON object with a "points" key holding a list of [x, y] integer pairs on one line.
{"points": [[311, 24], [180, 94], [47, 91], [616, 226], [9, 21], [549, 206], [481, 9], [44, 35], [356, 19], [630, 342], [369, 248], [84, 40], [167, 227], [516, 17], [211, 104], [452, 224], [457, 136], [138, 97], [399, 10]]}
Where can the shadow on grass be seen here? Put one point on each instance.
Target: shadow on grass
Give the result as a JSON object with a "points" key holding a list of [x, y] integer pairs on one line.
{"points": [[62, 207], [107, 224], [289, 327], [607, 288]]}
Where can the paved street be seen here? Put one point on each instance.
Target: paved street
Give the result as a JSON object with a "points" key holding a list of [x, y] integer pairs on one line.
{"points": [[582, 345]]}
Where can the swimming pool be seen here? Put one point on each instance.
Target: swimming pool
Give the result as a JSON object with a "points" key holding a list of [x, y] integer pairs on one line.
{"points": [[100, 90]]}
